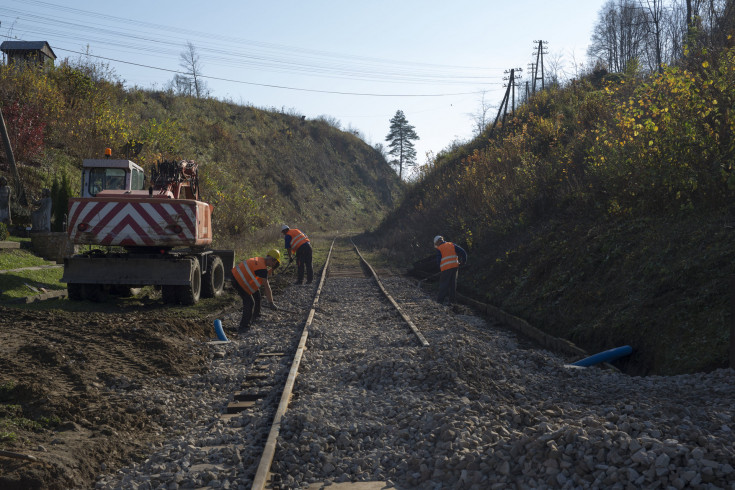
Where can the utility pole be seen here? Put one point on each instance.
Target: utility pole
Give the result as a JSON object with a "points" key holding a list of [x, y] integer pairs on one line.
{"points": [[532, 70], [509, 93], [540, 51], [503, 103], [512, 84]]}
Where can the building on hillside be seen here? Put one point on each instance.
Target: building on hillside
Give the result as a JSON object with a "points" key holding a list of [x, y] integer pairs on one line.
{"points": [[29, 52]]}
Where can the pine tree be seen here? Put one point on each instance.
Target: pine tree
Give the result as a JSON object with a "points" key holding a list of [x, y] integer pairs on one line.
{"points": [[400, 140]]}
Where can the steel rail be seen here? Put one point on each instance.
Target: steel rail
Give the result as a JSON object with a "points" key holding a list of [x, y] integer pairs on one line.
{"points": [[264, 466], [403, 314], [266, 460]]}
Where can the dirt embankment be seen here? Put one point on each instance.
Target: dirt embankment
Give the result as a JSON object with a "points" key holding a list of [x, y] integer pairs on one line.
{"points": [[56, 368]]}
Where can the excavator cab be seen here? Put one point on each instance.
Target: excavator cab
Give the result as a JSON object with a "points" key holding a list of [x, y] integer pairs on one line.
{"points": [[102, 175]]}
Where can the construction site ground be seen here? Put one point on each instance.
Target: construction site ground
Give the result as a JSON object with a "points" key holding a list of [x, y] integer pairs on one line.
{"points": [[60, 423]]}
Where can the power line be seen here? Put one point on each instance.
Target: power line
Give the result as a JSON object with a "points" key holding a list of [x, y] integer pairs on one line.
{"points": [[264, 56], [238, 41], [266, 84]]}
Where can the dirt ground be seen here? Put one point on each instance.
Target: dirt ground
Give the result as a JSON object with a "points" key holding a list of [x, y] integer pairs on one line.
{"points": [[56, 367]]}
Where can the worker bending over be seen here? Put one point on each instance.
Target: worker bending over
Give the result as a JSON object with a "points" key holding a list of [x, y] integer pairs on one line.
{"points": [[247, 277], [449, 257], [298, 243]]}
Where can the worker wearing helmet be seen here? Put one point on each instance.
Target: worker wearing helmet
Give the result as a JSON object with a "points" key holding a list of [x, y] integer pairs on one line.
{"points": [[247, 277], [298, 244], [449, 258]]}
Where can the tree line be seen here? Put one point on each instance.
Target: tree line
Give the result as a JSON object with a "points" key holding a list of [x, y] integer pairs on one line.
{"points": [[649, 34]]}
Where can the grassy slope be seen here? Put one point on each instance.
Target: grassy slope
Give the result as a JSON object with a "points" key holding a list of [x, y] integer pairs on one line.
{"points": [[658, 278], [258, 167], [308, 171], [660, 285]]}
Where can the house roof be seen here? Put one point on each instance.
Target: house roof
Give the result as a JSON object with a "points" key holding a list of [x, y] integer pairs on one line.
{"points": [[8, 46]]}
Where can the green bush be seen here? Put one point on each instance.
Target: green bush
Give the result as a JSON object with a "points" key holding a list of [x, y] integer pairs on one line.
{"points": [[60, 194], [3, 232]]}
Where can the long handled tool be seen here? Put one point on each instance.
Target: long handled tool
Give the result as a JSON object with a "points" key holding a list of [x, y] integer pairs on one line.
{"points": [[290, 261], [286, 310], [461, 266], [425, 278]]}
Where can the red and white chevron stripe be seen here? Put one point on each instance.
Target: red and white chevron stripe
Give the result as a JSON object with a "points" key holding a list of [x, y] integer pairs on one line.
{"points": [[144, 222]]}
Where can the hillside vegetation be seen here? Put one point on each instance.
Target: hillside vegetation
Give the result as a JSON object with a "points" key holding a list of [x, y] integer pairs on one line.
{"points": [[257, 167], [601, 212]]}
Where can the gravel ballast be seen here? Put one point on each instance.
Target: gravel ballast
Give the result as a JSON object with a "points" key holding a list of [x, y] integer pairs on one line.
{"points": [[477, 408]]}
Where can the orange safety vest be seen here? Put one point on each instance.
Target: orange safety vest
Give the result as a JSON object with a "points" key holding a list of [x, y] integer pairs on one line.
{"points": [[449, 256], [244, 274], [297, 239]]}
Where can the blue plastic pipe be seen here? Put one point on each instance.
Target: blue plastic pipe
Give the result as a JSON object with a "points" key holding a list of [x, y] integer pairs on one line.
{"points": [[219, 331], [606, 356]]}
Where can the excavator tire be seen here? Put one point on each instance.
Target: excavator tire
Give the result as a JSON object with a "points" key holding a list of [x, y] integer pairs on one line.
{"points": [[74, 291], [213, 281], [94, 292], [189, 295], [168, 294]]}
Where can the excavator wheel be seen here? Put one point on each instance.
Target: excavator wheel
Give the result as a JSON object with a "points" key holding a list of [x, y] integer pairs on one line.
{"points": [[213, 282], [94, 292], [74, 291], [168, 294], [189, 295]]}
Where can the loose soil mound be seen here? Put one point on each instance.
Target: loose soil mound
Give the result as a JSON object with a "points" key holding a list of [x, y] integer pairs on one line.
{"points": [[57, 368]]}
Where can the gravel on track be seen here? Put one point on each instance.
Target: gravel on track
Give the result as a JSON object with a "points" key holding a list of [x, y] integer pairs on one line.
{"points": [[478, 408], [481, 409]]}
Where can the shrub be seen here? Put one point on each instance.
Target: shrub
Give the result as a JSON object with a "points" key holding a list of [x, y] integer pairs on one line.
{"points": [[60, 194], [3, 232]]}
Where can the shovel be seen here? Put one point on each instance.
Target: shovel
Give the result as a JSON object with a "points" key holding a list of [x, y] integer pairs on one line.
{"points": [[461, 266], [425, 278]]}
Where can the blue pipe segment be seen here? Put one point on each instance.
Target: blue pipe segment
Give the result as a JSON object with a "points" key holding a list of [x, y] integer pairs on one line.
{"points": [[606, 356], [219, 331]]}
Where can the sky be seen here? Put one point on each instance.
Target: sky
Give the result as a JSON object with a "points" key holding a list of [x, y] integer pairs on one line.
{"points": [[355, 62]]}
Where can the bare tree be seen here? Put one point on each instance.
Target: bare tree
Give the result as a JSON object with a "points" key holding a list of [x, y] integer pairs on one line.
{"points": [[619, 35], [480, 117], [656, 32], [655, 17], [680, 27], [193, 70], [554, 69], [182, 85], [577, 66]]}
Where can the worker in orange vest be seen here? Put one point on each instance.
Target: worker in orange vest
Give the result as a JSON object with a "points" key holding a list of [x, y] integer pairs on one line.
{"points": [[449, 256], [298, 244], [247, 277]]}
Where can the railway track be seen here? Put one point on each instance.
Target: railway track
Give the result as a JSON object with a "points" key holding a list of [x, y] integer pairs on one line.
{"points": [[344, 260], [223, 427], [476, 408]]}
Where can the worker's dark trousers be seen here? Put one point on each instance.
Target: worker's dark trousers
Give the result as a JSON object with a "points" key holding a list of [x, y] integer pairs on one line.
{"points": [[303, 259], [448, 285], [250, 306]]}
